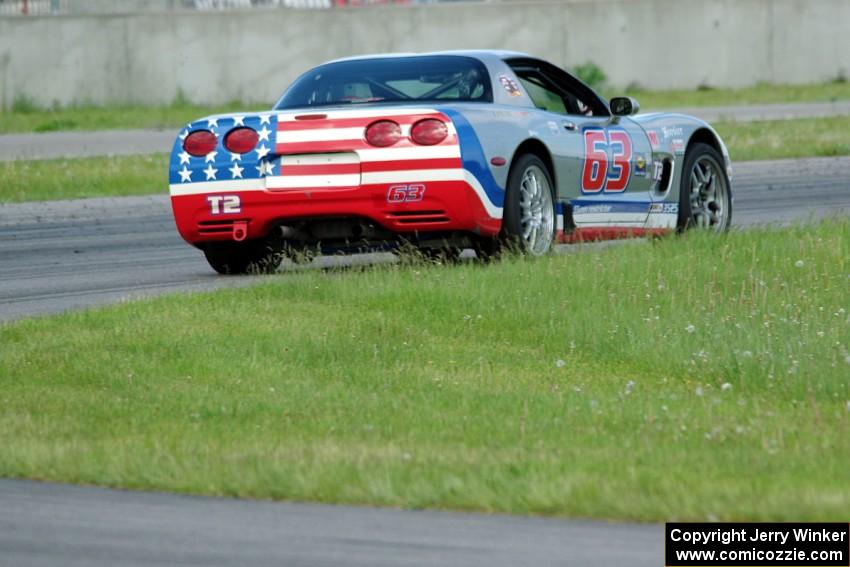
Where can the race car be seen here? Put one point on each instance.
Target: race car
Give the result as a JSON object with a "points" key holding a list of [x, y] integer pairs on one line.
{"points": [[441, 152]]}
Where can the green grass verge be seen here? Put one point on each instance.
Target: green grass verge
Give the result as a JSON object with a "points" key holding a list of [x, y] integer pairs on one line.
{"points": [[86, 177], [780, 139], [25, 117], [759, 94], [690, 378], [141, 175], [32, 119]]}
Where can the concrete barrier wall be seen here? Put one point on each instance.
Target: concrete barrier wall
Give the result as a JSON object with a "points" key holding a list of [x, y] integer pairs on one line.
{"points": [[253, 55]]}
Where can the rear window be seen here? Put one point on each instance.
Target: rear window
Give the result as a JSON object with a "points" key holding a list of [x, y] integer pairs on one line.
{"points": [[437, 78]]}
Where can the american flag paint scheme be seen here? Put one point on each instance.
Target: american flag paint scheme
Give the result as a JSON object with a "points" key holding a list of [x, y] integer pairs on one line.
{"points": [[437, 152]]}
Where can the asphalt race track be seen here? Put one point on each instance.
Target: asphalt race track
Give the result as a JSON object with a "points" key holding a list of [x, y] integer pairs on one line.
{"points": [[48, 524], [64, 255]]}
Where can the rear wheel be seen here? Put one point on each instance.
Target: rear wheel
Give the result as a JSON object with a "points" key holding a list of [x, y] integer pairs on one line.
{"points": [[487, 248], [249, 257], [529, 214], [704, 199]]}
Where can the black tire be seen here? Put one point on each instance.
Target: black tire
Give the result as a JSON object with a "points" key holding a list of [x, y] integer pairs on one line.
{"points": [[705, 195], [529, 221], [249, 257], [488, 248]]}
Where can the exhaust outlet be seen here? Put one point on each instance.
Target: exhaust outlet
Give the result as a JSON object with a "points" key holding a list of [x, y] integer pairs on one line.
{"points": [[286, 231]]}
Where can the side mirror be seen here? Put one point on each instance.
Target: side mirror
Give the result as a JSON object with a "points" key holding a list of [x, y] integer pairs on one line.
{"points": [[624, 106]]}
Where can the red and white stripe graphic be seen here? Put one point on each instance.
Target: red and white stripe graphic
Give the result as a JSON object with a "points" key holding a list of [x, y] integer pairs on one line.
{"points": [[330, 150], [345, 130], [314, 171]]}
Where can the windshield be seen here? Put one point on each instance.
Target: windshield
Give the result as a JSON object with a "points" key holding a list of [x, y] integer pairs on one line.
{"points": [[435, 78]]}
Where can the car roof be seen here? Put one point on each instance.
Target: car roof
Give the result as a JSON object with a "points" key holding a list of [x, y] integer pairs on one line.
{"points": [[475, 53]]}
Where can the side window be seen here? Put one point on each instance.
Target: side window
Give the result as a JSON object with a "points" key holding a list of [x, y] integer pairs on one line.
{"points": [[553, 89], [542, 95]]}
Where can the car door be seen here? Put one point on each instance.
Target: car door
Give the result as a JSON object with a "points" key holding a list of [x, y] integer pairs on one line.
{"points": [[615, 186], [602, 162]]}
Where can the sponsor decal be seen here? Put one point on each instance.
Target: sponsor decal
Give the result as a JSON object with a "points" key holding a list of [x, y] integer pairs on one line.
{"points": [[640, 165], [664, 208], [657, 170], [224, 204], [607, 161], [405, 194], [653, 139], [677, 146], [591, 209], [676, 132], [553, 127], [510, 85]]}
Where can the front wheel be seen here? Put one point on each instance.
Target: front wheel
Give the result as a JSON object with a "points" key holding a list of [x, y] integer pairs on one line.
{"points": [[705, 198], [249, 257], [529, 215]]}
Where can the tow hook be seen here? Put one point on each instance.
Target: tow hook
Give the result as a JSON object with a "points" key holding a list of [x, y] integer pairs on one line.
{"points": [[240, 230]]}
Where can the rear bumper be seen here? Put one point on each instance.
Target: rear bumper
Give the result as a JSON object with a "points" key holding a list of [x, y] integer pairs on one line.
{"points": [[443, 206]]}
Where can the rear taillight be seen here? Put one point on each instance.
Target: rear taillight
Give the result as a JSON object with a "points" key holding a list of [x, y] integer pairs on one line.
{"points": [[383, 133], [429, 132], [241, 140], [199, 143]]}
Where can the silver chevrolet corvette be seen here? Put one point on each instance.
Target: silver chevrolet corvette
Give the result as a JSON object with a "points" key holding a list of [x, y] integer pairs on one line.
{"points": [[444, 151]]}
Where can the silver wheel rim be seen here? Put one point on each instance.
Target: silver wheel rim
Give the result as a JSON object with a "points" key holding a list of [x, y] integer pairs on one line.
{"points": [[537, 213], [709, 195]]}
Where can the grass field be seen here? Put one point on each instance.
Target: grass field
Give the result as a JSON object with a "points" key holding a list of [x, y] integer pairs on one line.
{"points": [[782, 139], [759, 94], [141, 175], [692, 378], [25, 117], [86, 177]]}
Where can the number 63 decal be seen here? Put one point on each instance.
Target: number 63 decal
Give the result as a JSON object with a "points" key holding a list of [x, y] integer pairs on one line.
{"points": [[607, 161], [406, 193]]}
